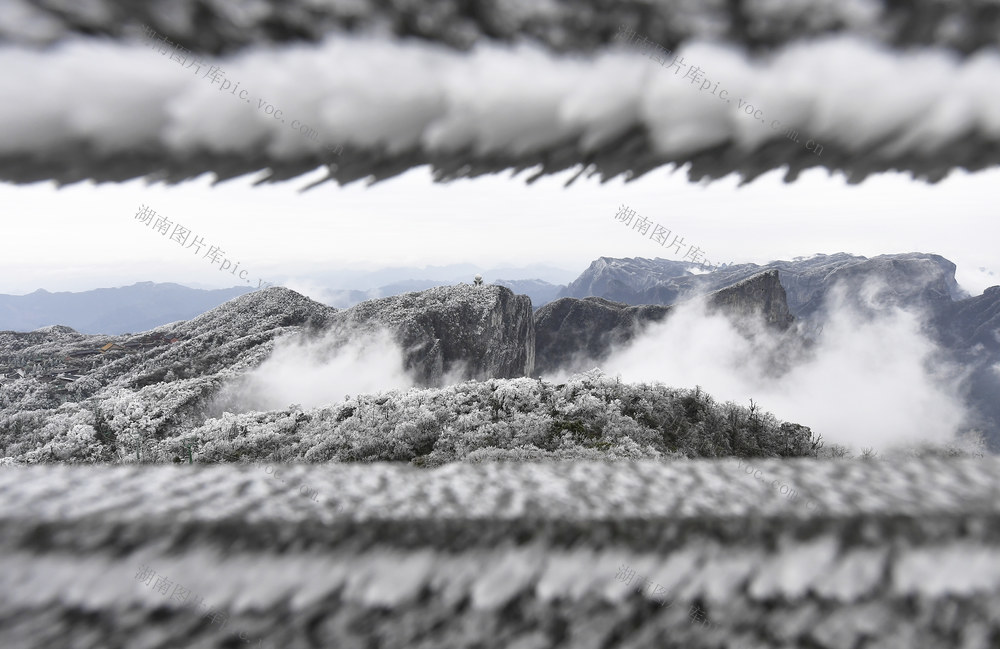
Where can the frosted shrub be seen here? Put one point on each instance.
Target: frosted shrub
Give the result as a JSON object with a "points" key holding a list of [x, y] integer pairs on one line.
{"points": [[518, 395], [591, 416]]}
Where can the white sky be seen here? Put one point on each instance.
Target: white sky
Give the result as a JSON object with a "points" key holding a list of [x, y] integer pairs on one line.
{"points": [[84, 236]]}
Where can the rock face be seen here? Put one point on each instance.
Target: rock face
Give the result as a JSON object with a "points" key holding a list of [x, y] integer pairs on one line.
{"points": [[759, 295], [971, 330], [477, 331], [572, 331]]}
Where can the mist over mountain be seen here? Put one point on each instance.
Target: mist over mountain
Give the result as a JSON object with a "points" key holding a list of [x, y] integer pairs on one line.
{"points": [[573, 333], [789, 333], [933, 348], [274, 375]]}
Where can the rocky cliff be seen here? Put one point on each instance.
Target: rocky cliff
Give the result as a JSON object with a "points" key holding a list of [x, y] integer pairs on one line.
{"points": [[761, 295], [477, 332], [570, 332], [968, 328]]}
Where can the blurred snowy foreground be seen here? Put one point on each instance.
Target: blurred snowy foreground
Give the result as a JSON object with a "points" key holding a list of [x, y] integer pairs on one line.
{"points": [[502, 555]]}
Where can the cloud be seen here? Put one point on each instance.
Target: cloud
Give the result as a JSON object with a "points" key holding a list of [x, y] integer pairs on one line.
{"points": [[872, 378], [319, 372]]}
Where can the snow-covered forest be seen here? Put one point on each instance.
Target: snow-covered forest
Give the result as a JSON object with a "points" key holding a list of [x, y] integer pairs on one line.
{"points": [[592, 417]]}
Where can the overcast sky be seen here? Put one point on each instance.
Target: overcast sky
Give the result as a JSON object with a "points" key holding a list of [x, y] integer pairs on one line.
{"points": [[85, 236]]}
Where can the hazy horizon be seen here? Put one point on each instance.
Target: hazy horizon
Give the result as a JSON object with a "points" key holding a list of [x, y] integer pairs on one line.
{"points": [[85, 236], [310, 288]]}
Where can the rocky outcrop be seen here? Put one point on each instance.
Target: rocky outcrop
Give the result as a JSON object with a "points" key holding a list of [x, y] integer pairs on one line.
{"points": [[967, 328], [472, 332], [572, 332], [761, 295]]}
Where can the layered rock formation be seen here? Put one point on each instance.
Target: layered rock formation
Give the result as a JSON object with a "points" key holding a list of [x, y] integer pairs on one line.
{"points": [[699, 555], [571, 332], [477, 332]]}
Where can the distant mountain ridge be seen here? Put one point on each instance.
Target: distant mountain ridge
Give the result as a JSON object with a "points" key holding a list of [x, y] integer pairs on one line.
{"points": [[912, 278], [139, 307], [438, 275], [146, 305]]}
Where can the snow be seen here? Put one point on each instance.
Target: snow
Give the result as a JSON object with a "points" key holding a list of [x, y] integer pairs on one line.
{"points": [[803, 575], [496, 99]]}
